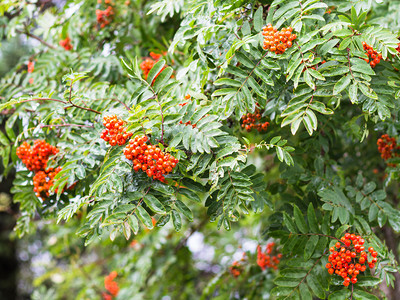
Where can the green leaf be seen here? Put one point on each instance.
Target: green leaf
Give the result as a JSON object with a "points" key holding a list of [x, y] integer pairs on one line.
{"points": [[295, 126], [275, 139], [144, 217], [243, 59], [310, 246], [279, 153], [328, 46], [373, 212], [312, 218], [281, 291], [362, 295], [3, 139], [225, 91], [294, 273], [134, 223], [176, 220], [308, 79], [305, 292], [340, 295], [184, 210], [227, 81], [369, 187], [339, 232], [343, 215], [299, 219], [316, 74], [189, 194], [289, 223], [345, 43], [127, 230], [158, 66], [342, 32], [80, 171], [258, 19], [353, 93], [320, 107], [162, 79], [154, 204], [264, 76], [341, 84], [307, 123], [368, 281], [313, 119], [367, 91], [316, 286], [246, 30], [287, 281]]}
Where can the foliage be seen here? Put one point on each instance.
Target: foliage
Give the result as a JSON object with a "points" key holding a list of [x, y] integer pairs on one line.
{"points": [[312, 176]]}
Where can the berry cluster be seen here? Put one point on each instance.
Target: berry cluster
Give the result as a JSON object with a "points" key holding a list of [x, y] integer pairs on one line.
{"points": [[278, 41], [115, 132], [235, 269], [249, 121], [265, 259], [348, 258], [35, 157], [149, 158], [31, 66], [372, 54], [387, 146], [66, 43], [43, 181], [111, 286], [104, 17]]}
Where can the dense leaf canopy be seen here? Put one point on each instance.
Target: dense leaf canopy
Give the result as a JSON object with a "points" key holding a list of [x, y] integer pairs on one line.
{"points": [[274, 129]]}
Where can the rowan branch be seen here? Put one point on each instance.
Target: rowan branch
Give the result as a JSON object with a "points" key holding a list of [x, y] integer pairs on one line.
{"points": [[61, 101], [27, 33], [66, 125]]}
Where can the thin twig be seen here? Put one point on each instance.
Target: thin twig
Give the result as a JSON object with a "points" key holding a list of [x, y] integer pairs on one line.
{"points": [[36, 38], [61, 101], [66, 125], [78, 106], [352, 288], [124, 104], [42, 99], [348, 59], [236, 35]]}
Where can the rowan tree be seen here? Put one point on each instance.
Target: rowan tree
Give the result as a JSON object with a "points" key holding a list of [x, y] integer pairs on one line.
{"points": [[266, 129]]}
